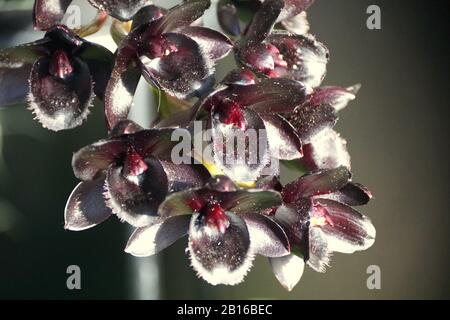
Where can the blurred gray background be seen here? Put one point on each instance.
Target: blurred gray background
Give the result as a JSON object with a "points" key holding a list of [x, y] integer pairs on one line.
{"points": [[397, 132]]}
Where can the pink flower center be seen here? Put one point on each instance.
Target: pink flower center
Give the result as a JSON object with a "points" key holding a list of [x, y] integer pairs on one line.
{"points": [[232, 114], [160, 47], [134, 164], [215, 217], [60, 65]]}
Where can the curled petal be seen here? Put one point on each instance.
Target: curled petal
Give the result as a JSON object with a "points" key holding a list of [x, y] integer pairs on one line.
{"points": [[318, 183], [182, 71], [60, 104], [47, 13], [310, 120], [263, 21], [304, 58], [86, 207], [228, 17], [325, 150], [346, 229], [284, 141], [337, 97], [147, 241], [266, 237], [181, 15], [288, 270], [352, 194], [293, 218], [319, 254], [147, 14], [184, 176], [213, 43], [220, 258], [91, 160], [119, 9], [297, 24]]}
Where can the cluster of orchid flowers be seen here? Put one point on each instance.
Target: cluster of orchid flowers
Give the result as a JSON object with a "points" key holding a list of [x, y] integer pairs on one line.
{"points": [[228, 215]]}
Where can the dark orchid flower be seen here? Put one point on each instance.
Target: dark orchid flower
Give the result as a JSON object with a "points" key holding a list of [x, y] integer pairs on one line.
{"points": [[318, 217], [48, 13], [59, 75], [247, 105], [279, 53], [225, 228], [129, 175], [292, 15], [169, 53], [323, 148]]}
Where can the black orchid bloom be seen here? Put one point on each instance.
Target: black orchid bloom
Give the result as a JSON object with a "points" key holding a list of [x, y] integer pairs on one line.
{"points": [[318, 217], [292, 16], [129, 175], [47, 13], [226, 229], [170, 53], [280, 53], [243, 103], [323, 147], [58, 75]]}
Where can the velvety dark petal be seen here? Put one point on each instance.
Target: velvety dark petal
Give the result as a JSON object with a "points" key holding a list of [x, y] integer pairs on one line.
{"points": [[146, 15], [310, 120], [318, 183], [250, 201], [220, 257], [120, 9], [15, 68], [122, 85], [284, 141], [325, 150], [228, 17], [346, 229], [181, 203], [147, 241], [352, 194], [125, 127], [180, 72], [184, 176], [288, 270], [86, 207], [263, 21], [135, 198], [47, 13], [241, 77], [213, 43], [181, 15], [319, 253], [303, 57], [337, 97], [60, 104], [266, 237], [100, 61], [63, 37], [297, 24], [239, 143], [89, 161], [294, 221]]}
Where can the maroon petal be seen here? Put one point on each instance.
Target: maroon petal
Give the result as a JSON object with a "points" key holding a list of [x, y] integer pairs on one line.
{"points": [[181, 15], [220, 257], [120, 9], [263, 21], [325, 150], [303, 58], [322, 182], [228, 17], [181, 69], [284, 141], [86, 207], [346, 229], [60, 102], [100, 61], [146, 15], [147, 241], [288, 270], [122, 85], [47, 13], [15, 68], [310, 120], [242, 77], [222, 184], [213, 43], [352, 194], [125, 127], [266, 237], [91, 160], [250, 201], [337, 97]]}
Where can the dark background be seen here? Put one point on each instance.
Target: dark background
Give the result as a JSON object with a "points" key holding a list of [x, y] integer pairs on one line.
{"points": [[397, 132]]}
